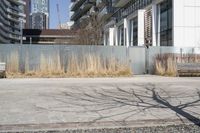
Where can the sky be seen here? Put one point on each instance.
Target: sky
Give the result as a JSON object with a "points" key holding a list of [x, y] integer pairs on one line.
{"points": [[64, 12]]}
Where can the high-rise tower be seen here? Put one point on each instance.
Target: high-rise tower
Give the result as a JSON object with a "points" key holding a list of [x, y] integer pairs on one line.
{"points": [[37, 13], [12, 18]]}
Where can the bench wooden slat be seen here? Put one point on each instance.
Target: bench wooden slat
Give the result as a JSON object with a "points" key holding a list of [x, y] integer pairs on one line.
{"points": [[2, 70], [188, 69]]}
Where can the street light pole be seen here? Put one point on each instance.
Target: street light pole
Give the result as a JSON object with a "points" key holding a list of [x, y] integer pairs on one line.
{"points": [[21, 30]]}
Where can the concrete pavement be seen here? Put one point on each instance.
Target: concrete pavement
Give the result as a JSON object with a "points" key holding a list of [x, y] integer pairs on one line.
{"points": [[27, 104]]}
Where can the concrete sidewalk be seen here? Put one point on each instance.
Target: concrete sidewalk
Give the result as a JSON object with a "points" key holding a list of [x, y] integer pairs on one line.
{"points": [[39, 104]]}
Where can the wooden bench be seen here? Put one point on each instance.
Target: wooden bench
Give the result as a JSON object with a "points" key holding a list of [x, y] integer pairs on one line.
{"points": [[188, 69], [2, 70]]}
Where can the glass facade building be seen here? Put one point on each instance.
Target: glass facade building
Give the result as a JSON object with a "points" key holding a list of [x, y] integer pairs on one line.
{"points": [[166, 23], [38, 20], [133, 31], [134, 20], [12, 18], [145, 22], [37, 12], [40, 6]]}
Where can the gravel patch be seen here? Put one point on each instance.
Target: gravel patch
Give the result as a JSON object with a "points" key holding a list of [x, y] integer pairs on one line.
{"points": [[158, 129]]}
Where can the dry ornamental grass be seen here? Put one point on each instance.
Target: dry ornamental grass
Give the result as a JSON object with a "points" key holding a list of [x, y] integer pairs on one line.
{"points": [[88, 65], [166, 64]]}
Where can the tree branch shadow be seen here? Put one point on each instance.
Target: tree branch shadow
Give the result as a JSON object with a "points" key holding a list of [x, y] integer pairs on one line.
{"points": [[138, 98], [178, 109]]}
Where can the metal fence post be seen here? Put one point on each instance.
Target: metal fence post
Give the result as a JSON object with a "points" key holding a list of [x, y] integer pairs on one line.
{"points": [[193, 51], [181, 51], [147, 60], [128, 54]]}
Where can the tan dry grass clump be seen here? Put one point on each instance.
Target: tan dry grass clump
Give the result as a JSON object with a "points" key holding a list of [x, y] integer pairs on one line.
{"points": [[88, 65], [50, 66], [165, 65], [12, 64], [91, 65]]}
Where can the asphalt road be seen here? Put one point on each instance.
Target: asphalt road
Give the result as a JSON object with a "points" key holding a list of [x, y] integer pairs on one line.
{"points": [[27, 104]]}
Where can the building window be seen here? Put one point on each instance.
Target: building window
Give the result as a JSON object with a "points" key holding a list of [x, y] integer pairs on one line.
{"points": [[131, 7], [107, 38], [166, 23], [133, 38], [121, 35]]}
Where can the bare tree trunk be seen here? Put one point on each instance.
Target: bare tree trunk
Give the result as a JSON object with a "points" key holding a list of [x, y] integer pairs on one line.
{"points": [[92, 33]]}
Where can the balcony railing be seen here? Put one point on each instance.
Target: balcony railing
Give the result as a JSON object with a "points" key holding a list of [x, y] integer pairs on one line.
{"points": [[76, 5], [76, 15], [15, 37], [100, 3], [86, 6], [130, 8], [15, 13], [3, 40], [94, 10], [120, 3], [106, 12], [19, 2], [15, 19]]}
